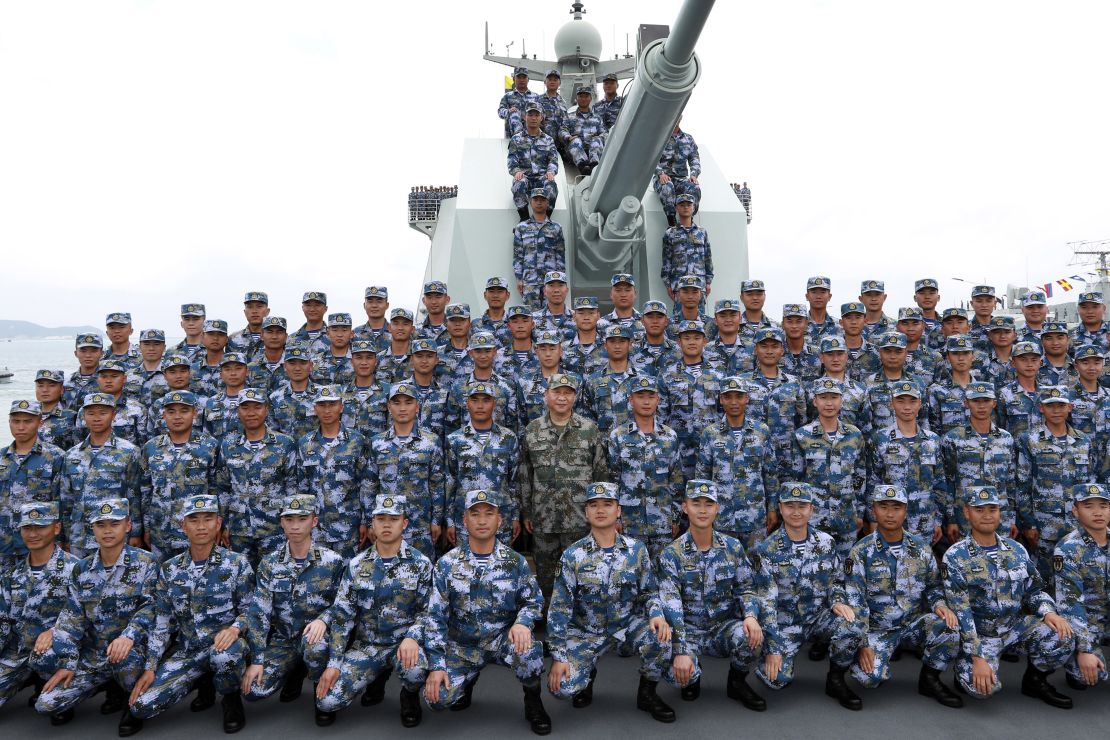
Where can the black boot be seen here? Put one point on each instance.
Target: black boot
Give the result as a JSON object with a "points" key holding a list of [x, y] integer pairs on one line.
{"points": [[129, 724], [1009, 655], [114, 699], [648, 701], [36, 682], [294, 682], [375, 690], [234, 718], [534, 712], [523, 213], [410, 708], [819, 651], [837, 688], [1035, 684], [467, 695], [929, 684], [586, 696], [206, 694], [1075, 683], [61, 718], [691, 691], [739, 690]]}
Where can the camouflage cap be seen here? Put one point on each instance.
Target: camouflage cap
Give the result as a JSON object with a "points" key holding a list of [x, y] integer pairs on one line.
{"points": [[297, 353], [688, 325], [533, 106], [726, 304], [685, 198], [112, 365], [112, 509], [517, 310], [798, 492], [554, 276], [959, 343], [435, 286], [340, 319], [23, 406], [269, 322], [872, 286], [553, 73], [457, 311], [655, 307], [152, 335], [895, 339], [979, 389], [388, 505], [1001, 323], [734, 384], [690, 281], [182, 398], [794, 310], [233, 357], [979, 290], [910, 313], [176, 360], [602, 490], [547, 338], [256, 296], [832, 343], [482, 340], [400, 313], [497, 282], [315, 295], [584, 90], [54, 376], [1084, 352], [638, 383], [768, 334], [1025, 348], [823, 386], [481, 388], [481, 496], [905, 388], [1091, 296], [192, 309], [89, 340], [298, 504], [818, 281], [1054, 394], [562, 380], [538, 193], [520, 71], [404, 388], [622, 277], [585, 302], [1034, 298], [889, 493], [752, 286], [38, 513], [376, 291], [253, 395], [953, 313], [423, 345], [611, 77], [983, 496], [701, 488], [215, 326], [1054, 327], [328, 394], [367, 346], [203, 503], [924, 283], [618, 331], [852, 307], [118, 317], [1087, 491]]}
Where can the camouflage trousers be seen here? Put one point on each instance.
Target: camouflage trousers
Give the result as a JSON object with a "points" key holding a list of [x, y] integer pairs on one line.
{"points": [[548, 549], [522, 190], [843, 534], [585, 649], [252, 547], [749, 538], [345, 543], [939, 644], [655, 542], [166, 537], [91, 672], [421, 539], [588, 150], [922, 515], [279, 657], [176, 673], [677, 186], [463, 663], [725, 640], [16, 667], [792, 637], [1046, 650], [361, 664]]}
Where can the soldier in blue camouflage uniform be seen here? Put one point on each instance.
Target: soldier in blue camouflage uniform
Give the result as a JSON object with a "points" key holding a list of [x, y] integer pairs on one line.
{"points": [[863, 358], [292, 403], [818, 294], [88, 349], [147, 380], [100, 467], [798, 358], [221, 412], [118, 330], [554, 110], [200, 619], [173, 466], [258, 469], [99, 637], [453, 359], [393, 362], [206, 365], [921, 360], [775, 398], [533, 161], [30, 471], [736, 454], [432, 390], [129, 420], [606, 597], [583, 132], [829, 454], [513, 102], [584, 352], [407, 461], [555, 315], [872, 294], [1089, 399], [729, 350], [178, 372], [192, 323], [689, 398], [364, 398], [1092, 328], [677, 172], [622, 292], [605, 394], [1018, 410], [333, 367], [854, 408], [517, 356], [483, 606], [993, 587], [686, 248], [373, 626], [294, 585], [1056, 368], [1050, 458], [483, 350], [1080, 569], [994, 362], [313, 333], [248, 340], [434, 299], [376, 329], [267, 368], [983, 303], [907, 455], [33, 591], [655, 351], [494, 319], [58, 422], [609, 107], [1034, 308], [533, 386], [643, 458], [892, 355], [944, 400], [707, 589], [926, 294], [689, 305]]}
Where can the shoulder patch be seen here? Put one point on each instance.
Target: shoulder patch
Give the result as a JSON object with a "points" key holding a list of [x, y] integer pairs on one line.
{"points": [[847, 566], [1057, 563], [753, 556]]}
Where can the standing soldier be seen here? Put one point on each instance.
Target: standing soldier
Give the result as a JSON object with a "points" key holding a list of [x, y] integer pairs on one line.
{"points": [[1056, 368], [333, 366], [292, 403], [775, 398], [553, 108], [655, 351], [248, 340], [538, 248], [58, 421], [1034, 308], [892, 355], [1089, 400], [983, 303], [373, 625], [584, 353], [818, 294], [583, 132], [607, 390], [206, 364], [993, 587], [221, 413], [994, 364], [192, 323], [677, 172], [707, 588], [945, 397], [690, 394], [364, 398], [533, 162], [609, 107], [863, 358], [434, 300], [129, 420], [1018, 410], [118, 329], [1092, 327], [179, 373], [483, 351], [798, 358], [376, 329], [622, 292], [872, 294], [454, 362], [921, 359], [483, 606], [560, 453], [88, 349], [99, 638], [30, 471], [493, 319], [606, 597], [394, 362], [313, 332], [432, 389], [854, 409], [686, 249], [729, 349], [147, 381], [554, 315], [513, 102], [926, 294], [753, 294]]}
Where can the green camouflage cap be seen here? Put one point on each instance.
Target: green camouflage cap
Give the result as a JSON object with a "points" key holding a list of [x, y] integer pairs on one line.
{"points": [[562, 380]]}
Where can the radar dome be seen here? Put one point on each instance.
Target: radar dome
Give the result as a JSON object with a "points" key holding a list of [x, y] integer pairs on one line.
{"points": [[577, 38]]}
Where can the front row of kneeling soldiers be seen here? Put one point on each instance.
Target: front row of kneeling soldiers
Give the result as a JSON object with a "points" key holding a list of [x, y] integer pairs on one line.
{"points": [[206, 620]]}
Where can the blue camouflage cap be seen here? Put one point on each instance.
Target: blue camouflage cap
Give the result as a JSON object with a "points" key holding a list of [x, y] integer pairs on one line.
{"points": [[622, 277], [532, 105], [215, 326], [152, 335], [618, 331], [1054, 327], [183, 398], [752, 286], [768, 334], [924, 283], [38, 513], [548, 337], [269, 322], [111, 364], [832, 343], [176, 360], [496, 282], [253, 395], [24, 406], [1001, 323], [1034, 298], [54, 376], [517, 310], [481, 496], [905, 388], [684, 198], [795, 310], [655, 307], [423, 345], [233, 357], [602, 490], [610, 77], [434, 286], [400, 313], [404, 388], [818, 281], [1025, 348], [518, 71], [690, 281], [192, 309], [910, 313], [852, 307], [701, 488], [89, 340], [340, 319], [299, 504], [822, 386], [328, 394], [1084, 352], [953, 313], [797, 492], [1054, 394], [203, 503], [959, 343], [646, 383], [538, 193], [256, 296], [584, 90], [872, 286], [895, 339], [585, 302], [1091, 296], [726, 304], [562, 380], [979, 290], [482, 340], [315, 295], [689, 325], [364, 345], [979, 389], [983, 496], [889, 493], [481, 388], [298, 353], [734, 384], [118, 317], [388, 505], [1087, 491], [553, 73], [554, 276], [376, 291], [112, 509]]}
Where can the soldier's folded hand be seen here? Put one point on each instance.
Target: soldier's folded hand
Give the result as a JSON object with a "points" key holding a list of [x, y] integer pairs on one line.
{"points": [[141, 685], [866, 659], [844, 611], [1089, 667], [119, 649], [753, 631], [949, 617], [555, 676], [225, 638], [408, 653], [327, 680], [683, 667], [314, 631], [251, 676], [521, 638], [772, 664], [44, 641], [661, 629], [1058, 624], [432, 684], [982, 676], [61, 677]]}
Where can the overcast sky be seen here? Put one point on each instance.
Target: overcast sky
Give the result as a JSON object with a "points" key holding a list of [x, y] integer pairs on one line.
{"points": [[154, 153]]}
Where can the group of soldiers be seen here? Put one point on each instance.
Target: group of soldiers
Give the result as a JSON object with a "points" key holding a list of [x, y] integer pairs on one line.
{"points": [[243, 510]]}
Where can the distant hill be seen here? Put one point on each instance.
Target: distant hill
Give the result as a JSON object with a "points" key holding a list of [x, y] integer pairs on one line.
{"points": [[27, 330]]}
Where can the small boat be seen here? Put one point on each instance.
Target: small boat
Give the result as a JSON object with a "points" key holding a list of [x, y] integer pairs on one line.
{"points": [[6, 375]]}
